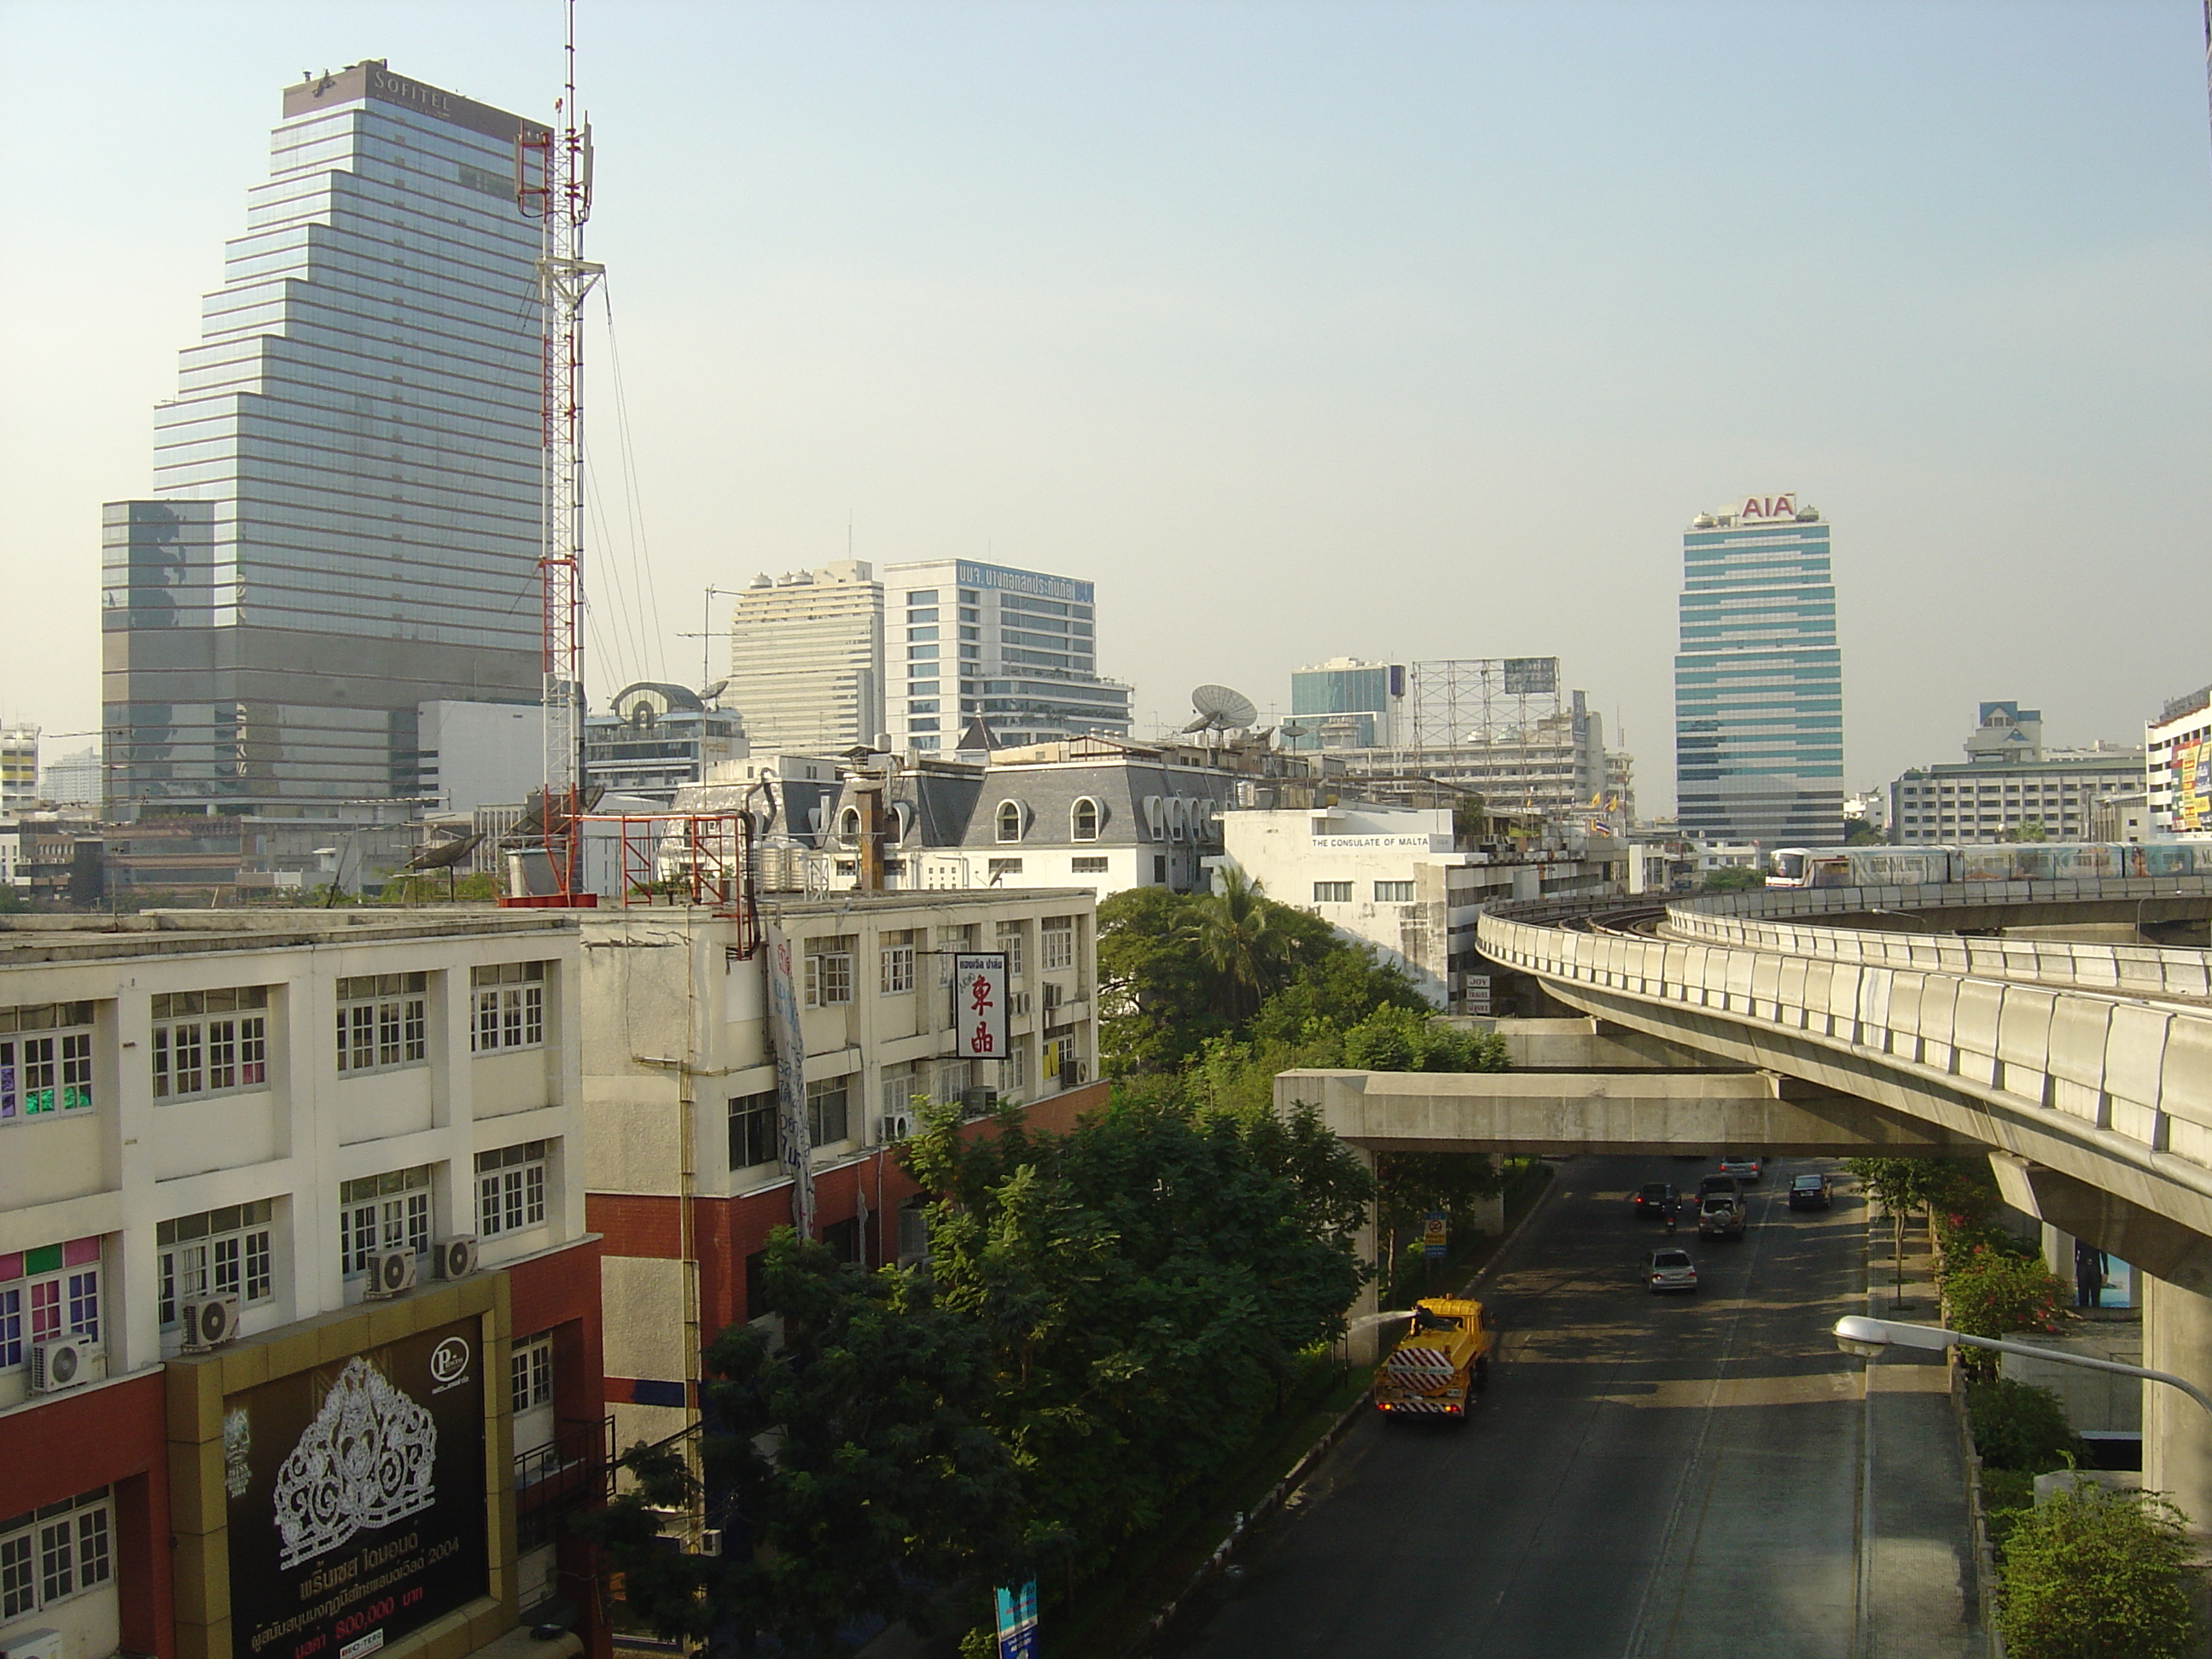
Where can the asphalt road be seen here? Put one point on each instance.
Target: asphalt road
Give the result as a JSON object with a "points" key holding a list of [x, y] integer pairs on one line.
{"points": [[1647, 1476]]}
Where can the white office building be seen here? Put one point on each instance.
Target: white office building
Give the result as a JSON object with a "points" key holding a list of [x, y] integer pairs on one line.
{"points": [[1017, 648], [2177, 766], [807, 659]]}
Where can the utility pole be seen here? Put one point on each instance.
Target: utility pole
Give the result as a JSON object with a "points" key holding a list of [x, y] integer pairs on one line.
{"points": [[553, 185]]}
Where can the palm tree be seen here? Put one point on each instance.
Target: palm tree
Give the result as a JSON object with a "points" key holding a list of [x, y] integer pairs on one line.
{"points": [[1234, 933]]}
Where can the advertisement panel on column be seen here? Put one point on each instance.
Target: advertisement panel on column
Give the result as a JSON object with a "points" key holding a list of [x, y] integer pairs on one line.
{"points": [[357, 1497]]}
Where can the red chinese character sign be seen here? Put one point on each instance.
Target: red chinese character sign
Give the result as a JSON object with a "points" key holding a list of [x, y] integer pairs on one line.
{"points": [[979, 1004]]}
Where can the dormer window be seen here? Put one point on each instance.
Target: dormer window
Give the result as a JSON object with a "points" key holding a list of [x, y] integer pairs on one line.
{"points": [[1084, 820], [848, 827], [1010, 820]]}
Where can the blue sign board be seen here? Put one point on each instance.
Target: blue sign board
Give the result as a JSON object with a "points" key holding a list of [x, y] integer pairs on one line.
{"points": [[1017, 1622]]}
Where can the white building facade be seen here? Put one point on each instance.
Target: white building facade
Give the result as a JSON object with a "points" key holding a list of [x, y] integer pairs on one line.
{"points": [[2177, 766], [806, 659]]}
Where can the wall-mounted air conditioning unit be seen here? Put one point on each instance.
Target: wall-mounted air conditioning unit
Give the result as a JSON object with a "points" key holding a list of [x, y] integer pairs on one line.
{"points": [[207, 1322], [66, 1362], [1017, 1004], [1070, 1073], [710, 1540], [898, 1125], [454, 1258], [34, 1644], [390, 1272]]}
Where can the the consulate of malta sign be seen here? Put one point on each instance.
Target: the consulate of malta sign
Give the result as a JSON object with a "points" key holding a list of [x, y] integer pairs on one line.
{"points": [[357, 1497]]}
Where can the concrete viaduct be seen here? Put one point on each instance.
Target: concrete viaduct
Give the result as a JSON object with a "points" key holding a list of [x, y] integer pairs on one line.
{"points": [[1992, 1019]]}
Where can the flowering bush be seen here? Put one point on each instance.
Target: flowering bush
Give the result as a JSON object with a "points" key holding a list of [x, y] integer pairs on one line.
{"points": [[1988, 1292]]}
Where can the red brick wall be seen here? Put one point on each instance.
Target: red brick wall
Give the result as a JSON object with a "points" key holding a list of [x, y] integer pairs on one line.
{"points": [[114, 1436]]}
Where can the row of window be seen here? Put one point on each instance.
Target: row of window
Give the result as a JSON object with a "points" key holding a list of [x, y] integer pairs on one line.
{"points": [[1013, 820], [50, 1554], [49, 1291], [755, 1137], [830, 976], [1386, 893], [207, 1042]]}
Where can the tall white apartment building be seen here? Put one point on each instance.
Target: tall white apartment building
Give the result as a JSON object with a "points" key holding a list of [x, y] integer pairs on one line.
{"points": [[806, 656], [1017, 648], [19, 769]]}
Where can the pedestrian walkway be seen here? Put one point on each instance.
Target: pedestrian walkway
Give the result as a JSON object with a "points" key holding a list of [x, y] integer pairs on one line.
{"points": [[1917, 1595]]}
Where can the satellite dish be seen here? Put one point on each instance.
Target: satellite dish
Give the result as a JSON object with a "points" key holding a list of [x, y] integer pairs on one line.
{"points": [[444, 854], [1220, 709], [708, 694]]}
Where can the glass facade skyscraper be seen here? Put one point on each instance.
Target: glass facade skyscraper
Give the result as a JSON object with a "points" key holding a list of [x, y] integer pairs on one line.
{"points": [[1758, 689], [344, 522]]}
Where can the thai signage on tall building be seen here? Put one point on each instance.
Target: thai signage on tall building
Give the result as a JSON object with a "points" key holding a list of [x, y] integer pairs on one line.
{"points": [[357, 1497]]}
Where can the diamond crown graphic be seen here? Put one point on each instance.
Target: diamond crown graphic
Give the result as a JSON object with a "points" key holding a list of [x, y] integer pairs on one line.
{"points": [[364, 1461]]}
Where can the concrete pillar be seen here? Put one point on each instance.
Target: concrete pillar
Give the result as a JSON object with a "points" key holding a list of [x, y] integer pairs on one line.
{"points": [[1365, 1340], [2177, 1430]]}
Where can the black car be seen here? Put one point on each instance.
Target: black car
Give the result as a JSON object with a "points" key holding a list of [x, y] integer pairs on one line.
{"points": [[1810, 1192], [1655, 1199], [1727, 1185]]}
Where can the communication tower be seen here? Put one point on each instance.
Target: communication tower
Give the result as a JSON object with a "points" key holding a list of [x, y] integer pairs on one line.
{"points": [[553, 185]]}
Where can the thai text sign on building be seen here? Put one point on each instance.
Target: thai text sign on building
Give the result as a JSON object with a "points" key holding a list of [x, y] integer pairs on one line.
{"points": [[357, 1497], [979, 1004]]}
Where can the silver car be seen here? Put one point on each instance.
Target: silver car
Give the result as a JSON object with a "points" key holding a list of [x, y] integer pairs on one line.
{"points": [[1672, 1270]]}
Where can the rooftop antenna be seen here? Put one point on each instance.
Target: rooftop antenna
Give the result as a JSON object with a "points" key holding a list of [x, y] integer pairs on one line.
{"points": [[553, 185]]}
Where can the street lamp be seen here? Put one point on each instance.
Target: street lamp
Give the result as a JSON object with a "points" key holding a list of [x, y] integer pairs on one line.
{"points": [[1909, 915], [1868, 1338]]}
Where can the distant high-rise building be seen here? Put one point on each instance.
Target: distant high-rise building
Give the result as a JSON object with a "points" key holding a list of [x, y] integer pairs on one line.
{"points": [[807, 659], [1017, 647], [1345, 703], [1758, 689], [19, 769], [73, 782], [345, 515]]}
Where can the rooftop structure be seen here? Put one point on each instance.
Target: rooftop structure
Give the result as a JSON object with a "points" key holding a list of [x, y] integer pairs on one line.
{"points": [[2010, 785]]}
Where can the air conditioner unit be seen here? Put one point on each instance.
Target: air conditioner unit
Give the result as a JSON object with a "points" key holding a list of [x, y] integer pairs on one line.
{"points": [[1070, 1073], [66, 1362], [1017, 1004], [454, 1258], [390, 1272], [710, 1540], [34, 1644], [898, 1125], [209, 1321]]}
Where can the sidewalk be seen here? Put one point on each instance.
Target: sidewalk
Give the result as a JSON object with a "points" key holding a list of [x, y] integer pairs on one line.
{"points": [[1917, 1596]]}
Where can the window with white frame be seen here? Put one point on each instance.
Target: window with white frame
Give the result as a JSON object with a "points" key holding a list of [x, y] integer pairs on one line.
{"points": [[1091, 866], [753, 1138], [49, 1555], [383, 1022], [1011, 937], [511, 1188], [224, 1252], [897, 949], [207, 1042], [828, 1110], [388, 1212], [1014, 1066], [1010, 821], [1083, 820], [49, 1291], [1332, 892], [1394, 892], [952, 1079], [829, 970], [1056, 937], [529, 1372], [900, 1086], [45, 1060], [509, 1000]]}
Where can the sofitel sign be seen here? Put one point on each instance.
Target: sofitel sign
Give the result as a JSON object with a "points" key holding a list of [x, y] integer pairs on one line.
{"points": [[1769, 507]]}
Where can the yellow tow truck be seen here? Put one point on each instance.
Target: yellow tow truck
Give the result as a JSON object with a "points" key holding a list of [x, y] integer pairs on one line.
{"points": [[1441, 1363]]}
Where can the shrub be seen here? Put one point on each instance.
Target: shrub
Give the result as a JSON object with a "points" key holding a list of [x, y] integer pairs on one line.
{"points": [[2019, 1427], [1988, 1292], [2007, 1494], [2097, 1575]]}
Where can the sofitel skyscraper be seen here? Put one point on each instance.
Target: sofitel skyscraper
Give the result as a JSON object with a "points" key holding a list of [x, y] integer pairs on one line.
{"points": [[1759, 691], [344, 523]]}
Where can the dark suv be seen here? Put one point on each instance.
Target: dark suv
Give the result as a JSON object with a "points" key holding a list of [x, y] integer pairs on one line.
{"points": [[1808, 1192], [1654, 1199], [1727, 1185]]}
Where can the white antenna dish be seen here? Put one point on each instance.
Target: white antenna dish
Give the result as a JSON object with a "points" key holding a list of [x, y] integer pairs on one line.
{"points": [[1220, 709]]}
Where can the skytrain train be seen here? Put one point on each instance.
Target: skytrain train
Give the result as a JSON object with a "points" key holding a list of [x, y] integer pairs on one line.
{"points": [[2039, 860]]}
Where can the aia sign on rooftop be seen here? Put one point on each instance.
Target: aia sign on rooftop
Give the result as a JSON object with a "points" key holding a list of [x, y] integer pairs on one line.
{"points": [[1768, 507]]}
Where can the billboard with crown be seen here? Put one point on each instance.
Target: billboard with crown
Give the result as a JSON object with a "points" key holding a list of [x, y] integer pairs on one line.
{"points": [[357, 1497]]}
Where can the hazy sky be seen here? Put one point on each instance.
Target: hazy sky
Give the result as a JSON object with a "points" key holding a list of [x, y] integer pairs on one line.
{"points": [[1404, 329]]}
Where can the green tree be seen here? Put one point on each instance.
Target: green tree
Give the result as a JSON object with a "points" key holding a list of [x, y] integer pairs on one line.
{"points": [[1859, 833], [1147, 1284], [1730, 879], [853, 1467], [2018, 1425], [1899, 1185], [1236, 933], [1155, 994], [2090, 1574], [1991, 1292]]}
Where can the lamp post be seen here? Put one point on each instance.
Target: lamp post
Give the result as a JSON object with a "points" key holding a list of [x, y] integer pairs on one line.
{"points": [[1869, 1338]]}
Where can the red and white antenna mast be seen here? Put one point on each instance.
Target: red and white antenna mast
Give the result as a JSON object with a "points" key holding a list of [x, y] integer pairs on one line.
{"points": [[553, 185]]}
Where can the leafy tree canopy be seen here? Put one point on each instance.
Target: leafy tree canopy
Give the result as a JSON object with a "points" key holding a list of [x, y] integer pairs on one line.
{"points": [[2090, 1574]]}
